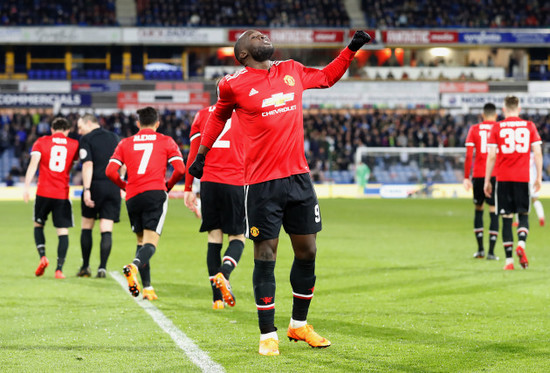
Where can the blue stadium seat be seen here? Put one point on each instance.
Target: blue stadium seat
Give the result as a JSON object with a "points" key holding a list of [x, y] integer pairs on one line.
{"points": [[105, 75], [147, 75], [62, 74], [31, 74]]}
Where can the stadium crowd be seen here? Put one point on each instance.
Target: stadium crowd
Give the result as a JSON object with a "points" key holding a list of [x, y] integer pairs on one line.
{"points": [[331, 136], [462, 13], [61, 12], [270, 13], [258, 13]]}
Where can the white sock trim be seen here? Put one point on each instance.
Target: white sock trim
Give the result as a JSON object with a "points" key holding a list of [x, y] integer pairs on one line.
{"points": [[509, 261], [297, 324], [273, 335]]}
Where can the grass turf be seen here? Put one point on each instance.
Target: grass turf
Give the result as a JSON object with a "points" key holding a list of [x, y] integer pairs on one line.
{"points": [[397, 290]]}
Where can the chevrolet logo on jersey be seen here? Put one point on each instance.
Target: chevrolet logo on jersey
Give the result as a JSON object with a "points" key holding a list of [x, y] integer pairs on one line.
{"points": [[278, 99]]}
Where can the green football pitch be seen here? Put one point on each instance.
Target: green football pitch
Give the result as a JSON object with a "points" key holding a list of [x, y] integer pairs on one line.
{"points": [[397, 291]]}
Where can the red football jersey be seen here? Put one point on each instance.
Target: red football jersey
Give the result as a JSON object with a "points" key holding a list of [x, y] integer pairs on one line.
{"points": [[57, 154], [146, 156], [478, 136], [513, 138], [268, 105], [225, 160]]}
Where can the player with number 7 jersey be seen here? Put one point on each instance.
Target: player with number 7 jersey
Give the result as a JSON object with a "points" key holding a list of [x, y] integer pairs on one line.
{"points": [[146, 155]]}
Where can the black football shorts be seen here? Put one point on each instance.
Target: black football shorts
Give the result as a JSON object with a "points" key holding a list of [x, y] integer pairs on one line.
{"points": [[222, 207], [147, 210], [61, 209], [479, 195], [290, 201], [106, 197], [512, 197]]}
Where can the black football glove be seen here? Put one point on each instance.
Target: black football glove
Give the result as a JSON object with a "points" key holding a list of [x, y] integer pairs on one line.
{"points": [[359, 39], [196, 168]]}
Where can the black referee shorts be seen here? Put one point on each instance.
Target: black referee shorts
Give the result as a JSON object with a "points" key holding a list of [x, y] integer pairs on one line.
{"points": [[147, 210], [290, 201], [222, 207], [512, 197], [61, 209], [106, 197], [479, 195]]}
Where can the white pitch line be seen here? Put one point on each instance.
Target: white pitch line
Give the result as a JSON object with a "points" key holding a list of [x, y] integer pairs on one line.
{"points": [[195, 354]]}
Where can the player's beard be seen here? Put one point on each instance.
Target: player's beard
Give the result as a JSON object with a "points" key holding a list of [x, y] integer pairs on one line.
{"points": [[262, 53]]}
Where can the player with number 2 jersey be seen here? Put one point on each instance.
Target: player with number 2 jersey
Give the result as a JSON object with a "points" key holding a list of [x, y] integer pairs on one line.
{"points": [[222, 196]]}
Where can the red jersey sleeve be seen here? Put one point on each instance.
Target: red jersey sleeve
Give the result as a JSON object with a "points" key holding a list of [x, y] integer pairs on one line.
{"points": [[220, 115], [118, 155], [535, 137], [327, 77], [469, 153], [493, 141], [195, 139], [176, 160], [37, 147], [116, 161]]}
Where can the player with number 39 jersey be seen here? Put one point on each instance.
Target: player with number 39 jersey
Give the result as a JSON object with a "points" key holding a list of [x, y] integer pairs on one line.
{"points": [[513, 138]]}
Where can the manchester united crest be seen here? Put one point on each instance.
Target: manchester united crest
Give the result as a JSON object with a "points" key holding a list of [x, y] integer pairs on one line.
{"points": [[289, 80], [254, 231]]}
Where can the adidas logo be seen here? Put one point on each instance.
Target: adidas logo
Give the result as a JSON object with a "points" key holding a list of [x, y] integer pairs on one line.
{"points": [[252, 92]]}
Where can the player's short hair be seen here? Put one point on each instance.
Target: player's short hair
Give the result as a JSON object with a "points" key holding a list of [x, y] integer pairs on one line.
{"points": [[89, 118], [511, 102], [148, 116], [239, 45], [61, 124], [489, 109]]}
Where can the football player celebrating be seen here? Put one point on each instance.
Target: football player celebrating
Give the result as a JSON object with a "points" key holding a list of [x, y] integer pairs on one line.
{"points": [[267, 98]]}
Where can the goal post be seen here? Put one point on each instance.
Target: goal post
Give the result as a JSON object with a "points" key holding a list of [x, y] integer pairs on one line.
{"points": [[409, 172]]}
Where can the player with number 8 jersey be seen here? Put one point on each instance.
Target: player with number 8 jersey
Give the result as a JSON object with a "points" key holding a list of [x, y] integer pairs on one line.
{"points": [[54, 156]]}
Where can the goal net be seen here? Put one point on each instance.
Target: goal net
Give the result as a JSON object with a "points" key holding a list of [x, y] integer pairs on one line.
{"points": [[408, 172]]}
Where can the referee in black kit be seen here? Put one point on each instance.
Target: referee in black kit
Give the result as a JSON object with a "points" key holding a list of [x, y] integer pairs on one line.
{"points": [[100, 196]]}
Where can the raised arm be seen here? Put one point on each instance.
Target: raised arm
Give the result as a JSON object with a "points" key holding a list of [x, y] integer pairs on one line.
{"points": [[327, 77]]}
